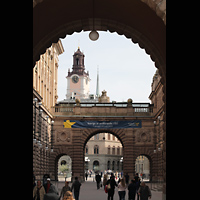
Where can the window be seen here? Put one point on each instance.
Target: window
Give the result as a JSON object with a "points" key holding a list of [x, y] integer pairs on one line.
{"points": [[96, 149], [113, 165], [108, 136], [109, 149], [77, 61], [113, 150], [118, 150], [117, 165], [96, 137], [108, 165]]}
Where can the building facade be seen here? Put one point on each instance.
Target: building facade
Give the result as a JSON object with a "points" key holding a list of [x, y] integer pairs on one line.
{"points": [[103, 152], [45, 76], [53, 140]]}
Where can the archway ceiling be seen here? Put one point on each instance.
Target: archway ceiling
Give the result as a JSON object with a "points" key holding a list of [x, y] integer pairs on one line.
{"points": [[54, 19]]}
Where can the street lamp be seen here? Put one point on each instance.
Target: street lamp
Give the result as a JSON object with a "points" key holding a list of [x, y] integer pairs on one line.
{"points": [[94, 35]]}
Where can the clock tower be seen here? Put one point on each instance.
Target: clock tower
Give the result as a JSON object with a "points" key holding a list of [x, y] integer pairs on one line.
{"points": [[78, 81]]}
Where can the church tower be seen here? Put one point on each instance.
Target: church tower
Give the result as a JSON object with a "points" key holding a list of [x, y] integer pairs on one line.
{"points": [[78, 81]]}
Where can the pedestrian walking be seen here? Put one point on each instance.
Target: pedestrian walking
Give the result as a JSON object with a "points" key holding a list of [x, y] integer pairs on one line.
{"points": [[111, 187], [105, 180], [52, 193], [132, 190], [127, 178], [122, 189], [47, 185], [86, 175], [137, 181], [76, 186], [64, 189], [144, 192], [38, 191], [98, 180]]}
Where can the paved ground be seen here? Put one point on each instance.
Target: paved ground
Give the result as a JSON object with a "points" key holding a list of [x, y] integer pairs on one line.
{"points": [[89, 192]]}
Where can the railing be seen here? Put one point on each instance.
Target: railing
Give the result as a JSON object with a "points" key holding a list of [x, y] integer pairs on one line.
{"points": [[115, 109], [64, 109]]}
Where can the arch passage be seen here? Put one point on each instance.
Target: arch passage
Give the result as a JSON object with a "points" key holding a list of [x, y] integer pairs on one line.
{"points": [[125, 18], [88, 133]]}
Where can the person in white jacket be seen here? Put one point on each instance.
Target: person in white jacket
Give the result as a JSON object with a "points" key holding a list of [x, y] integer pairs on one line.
{"points": [[122, 189]]}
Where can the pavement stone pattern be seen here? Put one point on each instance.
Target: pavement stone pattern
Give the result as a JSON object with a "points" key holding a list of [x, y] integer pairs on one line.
{"points": [[89, 191]]}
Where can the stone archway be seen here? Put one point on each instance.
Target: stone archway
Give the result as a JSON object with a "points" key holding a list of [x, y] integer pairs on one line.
{"points": [[148, 30], [142, 21], [55, 156]]}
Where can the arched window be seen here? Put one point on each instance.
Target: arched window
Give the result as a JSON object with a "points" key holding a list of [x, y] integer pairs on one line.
{"points": [[108, 165], [96, 149], [113, 165], [77, 61], [117, 165]]}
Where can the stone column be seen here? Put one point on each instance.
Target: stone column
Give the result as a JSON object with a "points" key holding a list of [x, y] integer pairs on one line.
{"points": [[78, 155], [128, 157]]}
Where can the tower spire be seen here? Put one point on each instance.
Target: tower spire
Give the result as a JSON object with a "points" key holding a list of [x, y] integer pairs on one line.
{"points": [[97, 86], [79, 44]]}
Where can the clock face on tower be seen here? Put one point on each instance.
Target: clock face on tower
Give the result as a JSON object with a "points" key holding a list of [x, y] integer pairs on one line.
{"points": [[75, 79]]}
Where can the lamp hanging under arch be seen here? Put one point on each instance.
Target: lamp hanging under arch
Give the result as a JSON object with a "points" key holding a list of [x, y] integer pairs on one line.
{"points": [[93, 35]]}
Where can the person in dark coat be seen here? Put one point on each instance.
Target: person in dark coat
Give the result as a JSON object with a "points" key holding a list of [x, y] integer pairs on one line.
{"points": [[65, 189], [76, 186], [47, 185], [144, 192], [127, 178], [52, 193], [86, 175], [132, 190], [98, 180], [137, 181], [112, 183]]}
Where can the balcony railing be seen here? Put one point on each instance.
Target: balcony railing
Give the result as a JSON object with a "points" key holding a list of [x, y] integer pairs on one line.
{"points": [[112, 109]]}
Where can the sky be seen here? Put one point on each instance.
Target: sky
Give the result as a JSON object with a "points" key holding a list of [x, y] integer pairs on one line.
{"points": [[125, 70]]}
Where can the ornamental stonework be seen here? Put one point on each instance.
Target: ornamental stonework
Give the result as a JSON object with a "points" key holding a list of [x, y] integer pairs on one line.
{"points": [[63, 136], [144, 136]]}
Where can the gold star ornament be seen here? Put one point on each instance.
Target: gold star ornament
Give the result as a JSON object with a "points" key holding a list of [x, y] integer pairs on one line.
{"points": [[68, 124]]}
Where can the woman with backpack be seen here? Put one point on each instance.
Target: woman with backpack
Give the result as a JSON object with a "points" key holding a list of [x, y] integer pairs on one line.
{"points": [[110, 187]]}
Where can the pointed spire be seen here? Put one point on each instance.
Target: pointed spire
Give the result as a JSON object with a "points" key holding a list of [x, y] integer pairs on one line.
{"points": [[79, 44], [97, 86]]}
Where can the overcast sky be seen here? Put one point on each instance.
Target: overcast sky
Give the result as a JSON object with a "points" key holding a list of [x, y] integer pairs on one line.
{"points": [[125, 70]]}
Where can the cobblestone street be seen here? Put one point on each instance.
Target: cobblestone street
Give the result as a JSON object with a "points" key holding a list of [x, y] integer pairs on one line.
{"points": [[89, 191]]}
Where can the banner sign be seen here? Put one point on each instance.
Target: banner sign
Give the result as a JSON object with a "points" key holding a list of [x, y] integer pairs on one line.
{"points": [[102, 124]]}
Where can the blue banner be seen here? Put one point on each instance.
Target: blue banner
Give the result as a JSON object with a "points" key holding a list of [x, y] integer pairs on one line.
{"points": [[102, 124]]}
